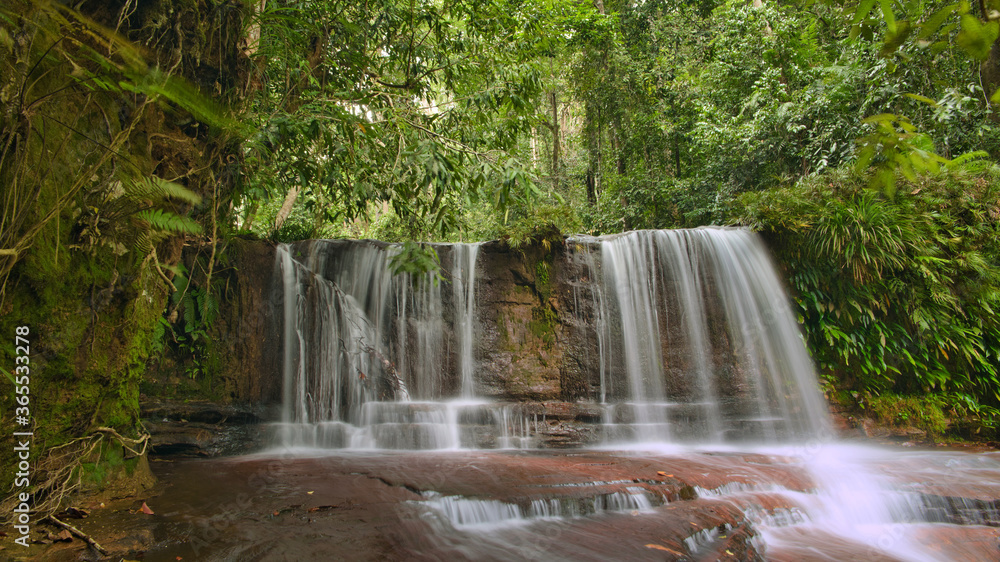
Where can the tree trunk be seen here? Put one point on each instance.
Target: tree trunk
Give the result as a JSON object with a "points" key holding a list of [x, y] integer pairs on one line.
{"points": [[592, 131], [555, 138], [286, 208], [677, 153], [989, 74]]}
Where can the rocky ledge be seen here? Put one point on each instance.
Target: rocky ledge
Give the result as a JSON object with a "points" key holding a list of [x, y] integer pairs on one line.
{"points": [[203, 429]]}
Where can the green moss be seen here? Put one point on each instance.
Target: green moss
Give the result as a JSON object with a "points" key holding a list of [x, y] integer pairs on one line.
{"points": [[923, 412], [543, 324], [89, 349], [106, 463], [543, 281]]}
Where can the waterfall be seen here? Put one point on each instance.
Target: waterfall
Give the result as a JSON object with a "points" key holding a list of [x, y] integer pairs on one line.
{"points": [[366, 352], [692, 334], [463, 273], [681, 337], [698, 340]]}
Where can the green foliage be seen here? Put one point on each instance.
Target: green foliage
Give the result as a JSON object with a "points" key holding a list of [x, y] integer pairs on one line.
{"points": [[417, 261], [896, 294], [159, 219], [924, 412], [60, 151], [891, 136], [199, 308], [936, 26], [545, 224], [684, 108], [542, 274], [415, 107]]}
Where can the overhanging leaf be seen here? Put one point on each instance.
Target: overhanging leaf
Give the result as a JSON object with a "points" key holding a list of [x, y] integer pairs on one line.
{"points": [[977, 37], [923, 99], [934, 22]]}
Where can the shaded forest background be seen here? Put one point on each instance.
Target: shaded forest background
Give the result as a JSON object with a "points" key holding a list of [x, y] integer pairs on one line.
{"points": [[140, 142]]}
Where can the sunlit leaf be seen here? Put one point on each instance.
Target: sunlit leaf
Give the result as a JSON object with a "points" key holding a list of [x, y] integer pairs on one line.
{"points": [[977, 37]]}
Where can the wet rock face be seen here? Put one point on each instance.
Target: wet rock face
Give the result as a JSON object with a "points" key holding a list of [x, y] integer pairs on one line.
{"points": [[526, 334], [533, 341], [671, 321], [203, 429], [247, 335]]}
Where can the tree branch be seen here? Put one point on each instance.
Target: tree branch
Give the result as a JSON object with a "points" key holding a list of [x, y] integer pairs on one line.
{"points": [[78, 533]]}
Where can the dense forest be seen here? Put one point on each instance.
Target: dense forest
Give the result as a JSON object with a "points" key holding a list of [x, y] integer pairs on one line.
{"points": [[140, 143]]}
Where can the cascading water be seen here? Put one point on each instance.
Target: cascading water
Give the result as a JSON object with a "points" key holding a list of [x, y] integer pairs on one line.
{"points": [[463, 274], [683, 337], [697, 340], [695, 343], [367, 352]]}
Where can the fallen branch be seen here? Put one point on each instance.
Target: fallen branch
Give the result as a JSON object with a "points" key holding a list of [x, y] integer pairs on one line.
{"points": [[78, 533]]}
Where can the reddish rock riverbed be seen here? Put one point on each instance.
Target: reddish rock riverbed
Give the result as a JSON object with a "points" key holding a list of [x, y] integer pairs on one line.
{"points": [[578, 505]]}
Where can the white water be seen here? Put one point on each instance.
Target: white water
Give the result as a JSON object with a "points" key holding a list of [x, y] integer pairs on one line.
{"points": [[365, 352], [663, 302], [695, 339], [865, 499], [661, 299], [463, 274], [466, 513]]}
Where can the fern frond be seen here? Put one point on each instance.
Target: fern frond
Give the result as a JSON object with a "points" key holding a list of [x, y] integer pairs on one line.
{"points": [[159, 219], [159, 189], [143, 243], [970, 161]]}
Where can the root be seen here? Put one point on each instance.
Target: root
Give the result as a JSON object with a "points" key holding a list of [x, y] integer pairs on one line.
{"points": [[60, 471]]}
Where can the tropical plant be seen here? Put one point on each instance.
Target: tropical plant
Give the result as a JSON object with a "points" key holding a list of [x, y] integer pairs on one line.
{"points": [[417, 106], [896, 294], [55, 57]]}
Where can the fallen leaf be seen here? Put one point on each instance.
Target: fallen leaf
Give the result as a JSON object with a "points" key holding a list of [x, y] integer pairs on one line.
{"points": [[661, 473], [74, 513], [276, 513], [145, 509], [310, 493], [65, 535], [729, 552], [664, 549]]}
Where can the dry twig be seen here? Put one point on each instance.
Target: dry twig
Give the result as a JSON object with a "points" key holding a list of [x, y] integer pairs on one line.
{"points": [[78, 533]]}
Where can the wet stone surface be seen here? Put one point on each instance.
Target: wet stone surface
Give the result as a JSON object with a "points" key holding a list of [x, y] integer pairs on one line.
{"points": [[543, 505]]}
